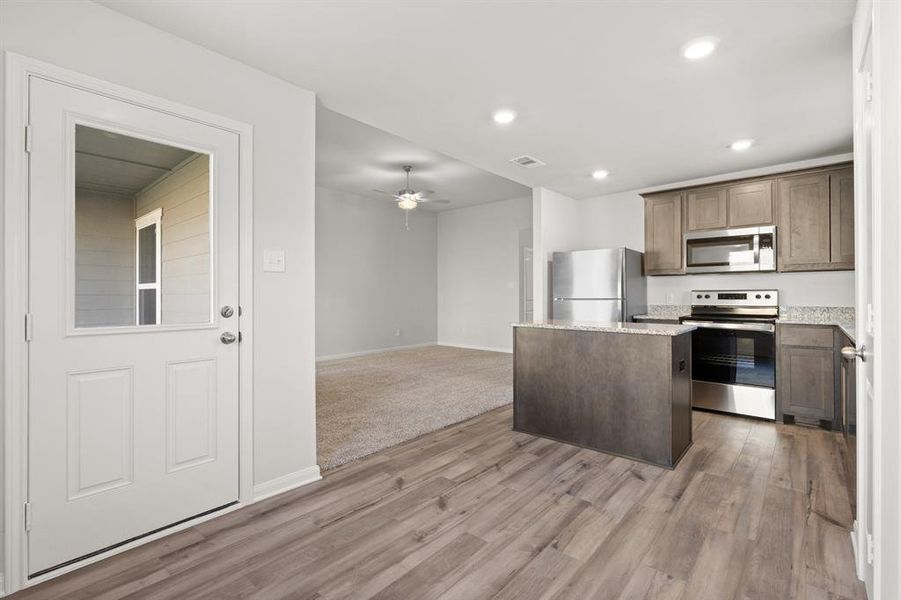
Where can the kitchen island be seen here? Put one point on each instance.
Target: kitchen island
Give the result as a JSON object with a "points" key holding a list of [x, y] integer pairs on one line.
{"points": [[620, 388]]}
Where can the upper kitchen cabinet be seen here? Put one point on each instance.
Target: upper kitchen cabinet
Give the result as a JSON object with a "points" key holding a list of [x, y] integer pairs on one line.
{"points": [[706, 208], [751, 204], [741, 205], [663, 233], [816, 221], [841, 197], [813, 211], [804, 213]]}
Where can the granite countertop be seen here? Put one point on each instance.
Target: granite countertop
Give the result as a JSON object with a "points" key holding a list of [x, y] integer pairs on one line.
{"points": [[617, 327], [846, 327]]}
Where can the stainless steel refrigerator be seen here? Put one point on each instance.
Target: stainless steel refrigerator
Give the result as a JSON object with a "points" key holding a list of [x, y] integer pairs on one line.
{"points": [[599, 285]]}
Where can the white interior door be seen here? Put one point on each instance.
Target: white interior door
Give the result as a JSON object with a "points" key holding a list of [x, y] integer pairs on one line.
{"points": [[864, 308], [133, 250]]}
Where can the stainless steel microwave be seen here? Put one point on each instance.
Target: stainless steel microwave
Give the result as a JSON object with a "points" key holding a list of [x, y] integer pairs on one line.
{"points": [[730, 250]]}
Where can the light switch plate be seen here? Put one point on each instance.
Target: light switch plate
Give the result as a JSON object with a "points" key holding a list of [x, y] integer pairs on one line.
{"points": [[274, 261]]}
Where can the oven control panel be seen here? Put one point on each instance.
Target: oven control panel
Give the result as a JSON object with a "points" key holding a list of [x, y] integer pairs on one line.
{"points": [[764, 298]]}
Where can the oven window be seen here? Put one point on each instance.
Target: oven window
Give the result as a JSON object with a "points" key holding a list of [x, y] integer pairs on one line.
{"points": [[734, 357], [721, 252]]}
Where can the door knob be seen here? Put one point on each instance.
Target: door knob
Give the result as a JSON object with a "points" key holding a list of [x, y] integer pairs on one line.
{"points": [[850, 353], [227, 311], [228, 338]]}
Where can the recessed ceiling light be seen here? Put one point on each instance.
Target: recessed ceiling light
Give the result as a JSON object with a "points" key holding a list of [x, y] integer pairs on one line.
{"points": [[741, 145], [600, 174], [504, 116], [699, 48]]}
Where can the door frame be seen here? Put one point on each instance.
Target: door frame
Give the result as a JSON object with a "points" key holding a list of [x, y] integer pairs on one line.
{"points": [[15, 280]]}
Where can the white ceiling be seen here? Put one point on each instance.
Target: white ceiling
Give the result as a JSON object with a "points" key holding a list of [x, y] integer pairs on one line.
{"points": [[358, 158], [596, 84]]}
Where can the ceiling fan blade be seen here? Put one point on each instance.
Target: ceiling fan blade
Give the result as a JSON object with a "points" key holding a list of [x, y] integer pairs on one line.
{"points": [[386, 193], [431, 201]]}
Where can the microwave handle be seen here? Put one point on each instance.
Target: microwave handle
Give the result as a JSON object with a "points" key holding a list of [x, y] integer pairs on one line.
{"points": [[757, 249]]}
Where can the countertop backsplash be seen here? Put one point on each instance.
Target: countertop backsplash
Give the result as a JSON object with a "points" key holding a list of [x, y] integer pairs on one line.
{"points": [[802, 314], [826, 315], [668, 311]]}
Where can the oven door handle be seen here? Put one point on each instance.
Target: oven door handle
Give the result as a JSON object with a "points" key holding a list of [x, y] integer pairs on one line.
{"points": [[765, 327]]}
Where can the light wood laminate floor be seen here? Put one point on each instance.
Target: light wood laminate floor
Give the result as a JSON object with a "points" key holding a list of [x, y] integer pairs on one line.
{"points": [[754, 511]]}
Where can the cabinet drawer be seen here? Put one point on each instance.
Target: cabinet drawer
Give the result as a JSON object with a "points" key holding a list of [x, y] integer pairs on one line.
{"points": [[804, 335]]}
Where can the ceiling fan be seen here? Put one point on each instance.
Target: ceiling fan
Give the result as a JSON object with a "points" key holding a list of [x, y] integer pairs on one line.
{"points": [[407, 199]]}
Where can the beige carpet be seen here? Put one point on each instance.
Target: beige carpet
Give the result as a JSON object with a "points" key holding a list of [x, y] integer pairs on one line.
{"points": [[368, 403]]}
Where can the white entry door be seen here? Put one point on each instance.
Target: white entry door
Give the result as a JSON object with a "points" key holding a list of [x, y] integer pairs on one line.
{"points": [[133, 291]]}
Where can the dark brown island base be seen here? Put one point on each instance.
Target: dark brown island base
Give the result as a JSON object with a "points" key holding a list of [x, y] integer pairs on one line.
{"points": [[622, 388]]}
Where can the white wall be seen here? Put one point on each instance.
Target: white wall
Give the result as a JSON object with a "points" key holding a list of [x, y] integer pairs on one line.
{"points": [[373, 277], [478, 273], [89, 38], [556, 226], [618, 220]]}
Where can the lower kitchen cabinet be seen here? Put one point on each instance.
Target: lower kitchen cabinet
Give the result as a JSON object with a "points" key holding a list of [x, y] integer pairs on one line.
{"points": [[806, 375]]}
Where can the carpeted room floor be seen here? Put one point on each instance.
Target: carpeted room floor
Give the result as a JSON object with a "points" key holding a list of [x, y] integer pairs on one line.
{"points": [[367, 403]]}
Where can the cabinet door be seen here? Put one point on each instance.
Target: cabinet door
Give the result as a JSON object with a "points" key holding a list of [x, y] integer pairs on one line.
{"points": [[706, 209], [803, 227], [751, 204], [807, 381], [663, 234], [841, 198]]}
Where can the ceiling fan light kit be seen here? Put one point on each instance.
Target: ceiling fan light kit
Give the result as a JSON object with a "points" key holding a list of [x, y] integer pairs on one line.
{"points": [[408, 199], [407, 203]]}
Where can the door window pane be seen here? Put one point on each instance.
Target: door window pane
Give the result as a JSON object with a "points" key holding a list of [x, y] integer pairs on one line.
{"points": [[142, 230], [147, 254], [147, 307]]}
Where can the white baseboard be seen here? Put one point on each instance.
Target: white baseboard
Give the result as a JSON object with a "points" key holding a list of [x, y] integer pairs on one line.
{"points": [[474, 347], [285, 483], [374, 351]]}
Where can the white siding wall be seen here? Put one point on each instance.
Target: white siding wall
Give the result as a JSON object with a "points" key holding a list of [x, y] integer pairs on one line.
{"points": [[184, 197], [104, 259]]}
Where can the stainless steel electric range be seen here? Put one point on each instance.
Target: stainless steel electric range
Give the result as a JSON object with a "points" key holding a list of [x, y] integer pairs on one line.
{"points": [[733, 351]]}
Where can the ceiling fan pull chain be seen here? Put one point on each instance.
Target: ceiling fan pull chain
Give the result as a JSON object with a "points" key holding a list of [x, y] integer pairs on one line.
{"points": [[407, 219]]}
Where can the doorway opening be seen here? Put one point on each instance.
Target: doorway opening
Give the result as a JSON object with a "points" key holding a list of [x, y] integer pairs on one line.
{"points": [[414, 300]]}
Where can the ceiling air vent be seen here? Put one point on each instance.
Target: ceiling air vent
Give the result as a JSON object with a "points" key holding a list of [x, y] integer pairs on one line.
{"points": [[529, 162]]}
